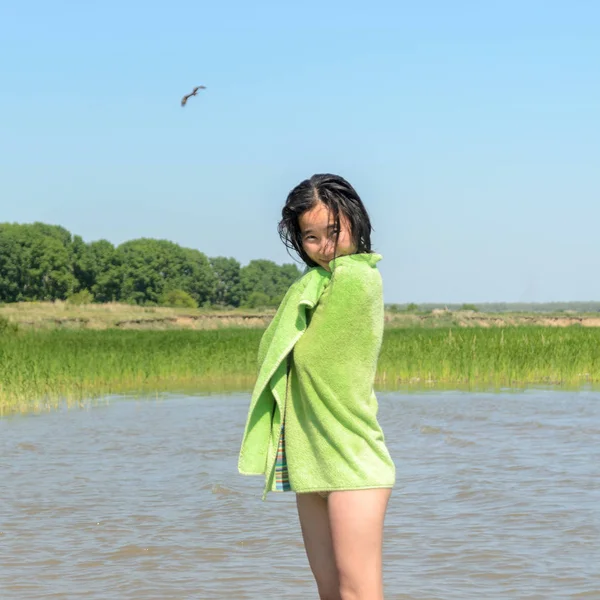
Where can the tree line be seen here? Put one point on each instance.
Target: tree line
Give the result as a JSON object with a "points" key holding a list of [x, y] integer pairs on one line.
{"points": [[40, 262]]}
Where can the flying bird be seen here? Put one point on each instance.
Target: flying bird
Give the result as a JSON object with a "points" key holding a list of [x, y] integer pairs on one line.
{"points": [[194, 92]]}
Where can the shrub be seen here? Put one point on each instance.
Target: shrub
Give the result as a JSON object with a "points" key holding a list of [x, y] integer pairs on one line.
{"points": [[178, 299], [469, 307], [275, 301], [81, 297], [258, 300]]}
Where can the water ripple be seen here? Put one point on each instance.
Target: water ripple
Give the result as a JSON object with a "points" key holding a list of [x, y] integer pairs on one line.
{"points": [[498, 497]]}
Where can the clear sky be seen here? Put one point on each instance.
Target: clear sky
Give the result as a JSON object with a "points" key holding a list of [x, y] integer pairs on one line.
{"points": [[470, 129]]}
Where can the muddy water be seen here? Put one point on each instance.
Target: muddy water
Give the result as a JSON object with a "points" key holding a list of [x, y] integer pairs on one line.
{"points": [[498, 497]]}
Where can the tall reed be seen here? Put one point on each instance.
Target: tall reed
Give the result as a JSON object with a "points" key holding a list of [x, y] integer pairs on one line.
{"points": [[46, 365], [40, 366], [499, 356]]}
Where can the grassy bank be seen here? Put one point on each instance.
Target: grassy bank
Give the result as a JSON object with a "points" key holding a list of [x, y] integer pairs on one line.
{"points": [[40, 366], [113, 315]]}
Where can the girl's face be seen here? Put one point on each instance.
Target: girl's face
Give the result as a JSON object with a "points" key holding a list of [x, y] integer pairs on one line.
{"points": [[318, 235]]}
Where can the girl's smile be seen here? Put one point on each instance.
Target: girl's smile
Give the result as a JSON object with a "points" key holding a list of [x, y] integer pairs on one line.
{"points": [[319, 235]]}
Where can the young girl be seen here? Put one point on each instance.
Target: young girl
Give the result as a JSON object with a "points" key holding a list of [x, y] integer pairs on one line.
{"points": [[312, 423]]}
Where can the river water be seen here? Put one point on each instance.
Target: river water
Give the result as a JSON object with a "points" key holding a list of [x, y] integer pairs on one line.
{"points": [[498, 497]]}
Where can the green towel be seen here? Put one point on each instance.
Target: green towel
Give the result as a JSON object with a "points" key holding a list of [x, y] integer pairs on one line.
{"points": [[332, 437]]}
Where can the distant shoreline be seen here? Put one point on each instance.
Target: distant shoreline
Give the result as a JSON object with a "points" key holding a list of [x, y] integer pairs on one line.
{"points": [[62, 315]]}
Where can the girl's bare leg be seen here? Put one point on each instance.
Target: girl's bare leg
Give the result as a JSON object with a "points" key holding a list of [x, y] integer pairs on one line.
{"points": [[314, 522], [356, 521]]}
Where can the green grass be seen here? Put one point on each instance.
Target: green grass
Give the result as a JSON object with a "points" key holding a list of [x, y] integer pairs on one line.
{"points": [[38, 367], [41, 366], [507, 356]]}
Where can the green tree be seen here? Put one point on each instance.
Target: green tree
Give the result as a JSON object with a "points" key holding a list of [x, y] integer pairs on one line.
{"points": [[267, 277], [90, 263], [35, 262], [197, 277], [145, 269], [227, 289], [45, 262], [56, 232]]}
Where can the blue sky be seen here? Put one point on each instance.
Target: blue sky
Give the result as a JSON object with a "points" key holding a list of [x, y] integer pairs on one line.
{"points": [[470, 129]]}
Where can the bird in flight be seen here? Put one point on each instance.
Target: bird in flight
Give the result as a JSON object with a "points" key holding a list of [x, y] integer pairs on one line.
{"points": [[194, 92]]}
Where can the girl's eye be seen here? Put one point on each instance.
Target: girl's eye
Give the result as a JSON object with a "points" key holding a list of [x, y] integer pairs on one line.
{"points": [[312, 237]]}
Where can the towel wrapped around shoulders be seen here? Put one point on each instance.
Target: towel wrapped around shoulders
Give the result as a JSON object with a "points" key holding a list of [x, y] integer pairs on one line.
{"points": [[331, 325]]}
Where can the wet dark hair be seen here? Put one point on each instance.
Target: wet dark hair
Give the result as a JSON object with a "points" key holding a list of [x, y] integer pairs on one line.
{"points": [[340, 197]]}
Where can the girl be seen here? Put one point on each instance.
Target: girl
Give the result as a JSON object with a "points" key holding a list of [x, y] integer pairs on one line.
{"points": [[312, 423]]}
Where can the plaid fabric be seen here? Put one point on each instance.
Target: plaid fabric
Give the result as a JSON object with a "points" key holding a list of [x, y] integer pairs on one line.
{"points": [[282, 481]]}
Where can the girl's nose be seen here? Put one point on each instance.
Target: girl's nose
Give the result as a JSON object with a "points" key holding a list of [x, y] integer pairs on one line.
{"points": [[327, 244]]}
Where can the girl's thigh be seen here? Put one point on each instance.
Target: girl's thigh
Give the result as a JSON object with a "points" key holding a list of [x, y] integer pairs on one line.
{"points": [[314, 522], [356, 520]]}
